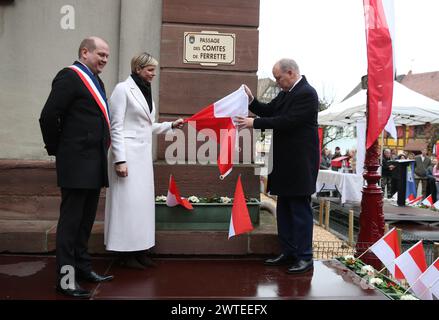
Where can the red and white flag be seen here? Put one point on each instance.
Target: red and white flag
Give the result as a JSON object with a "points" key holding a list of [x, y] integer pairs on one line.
{"points": [[219, 118], [411, 197], [436, 205], [412, 264], [378, 16], [173, 198], [240, 220], [430, 278], [387, 250], [428, 201], [415, 201]]}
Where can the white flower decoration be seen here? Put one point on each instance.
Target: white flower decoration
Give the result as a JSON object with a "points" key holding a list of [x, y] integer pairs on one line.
{"points": [[160, 198], [350, 259], [225, 200], [408, 297], [376, 281], [368, 270], [193, 199]]}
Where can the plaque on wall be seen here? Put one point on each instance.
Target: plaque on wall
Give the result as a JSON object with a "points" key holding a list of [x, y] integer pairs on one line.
{"points": [[209, 48]]}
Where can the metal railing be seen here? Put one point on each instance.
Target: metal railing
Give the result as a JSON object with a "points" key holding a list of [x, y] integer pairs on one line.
{"points": [[334, 249]]}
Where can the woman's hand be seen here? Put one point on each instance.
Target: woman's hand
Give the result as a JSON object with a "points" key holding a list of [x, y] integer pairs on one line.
{"points": [[179, 123], [121, 169]]}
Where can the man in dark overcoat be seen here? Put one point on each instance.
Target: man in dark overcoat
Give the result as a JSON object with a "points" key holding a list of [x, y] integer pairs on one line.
{"points": [[292, 115]]}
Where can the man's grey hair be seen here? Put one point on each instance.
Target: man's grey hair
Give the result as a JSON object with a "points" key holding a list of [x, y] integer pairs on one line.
{"points": [[288, 64], [88, 43]]}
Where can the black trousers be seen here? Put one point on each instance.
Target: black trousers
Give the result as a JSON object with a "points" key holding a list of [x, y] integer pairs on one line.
{"points": [[387, 181], [295, 226], [77, 215]]}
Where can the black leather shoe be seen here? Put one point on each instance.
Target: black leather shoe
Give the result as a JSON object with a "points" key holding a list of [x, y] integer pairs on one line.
{"points": [[302, 266], [145, 261], [76, 292], [130, 262], [280, 260], [93, 277]]}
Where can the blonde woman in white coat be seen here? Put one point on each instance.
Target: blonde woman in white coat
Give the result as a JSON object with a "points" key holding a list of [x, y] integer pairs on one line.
{"points": [[130, 200]]}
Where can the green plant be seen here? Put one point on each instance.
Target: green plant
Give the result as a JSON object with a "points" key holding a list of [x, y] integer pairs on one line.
{"points": [[194, 199], [379, 281]]}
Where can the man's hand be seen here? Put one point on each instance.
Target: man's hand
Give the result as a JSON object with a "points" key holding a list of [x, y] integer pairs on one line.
{"points": [[121, 169], [179, 123], [244, 122], [249, 94]]}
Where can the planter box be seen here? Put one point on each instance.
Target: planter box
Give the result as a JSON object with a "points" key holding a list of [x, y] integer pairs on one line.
{"points": [[205, 216], [393, 292]]}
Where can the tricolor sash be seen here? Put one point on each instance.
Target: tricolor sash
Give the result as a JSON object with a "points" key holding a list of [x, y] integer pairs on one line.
{"points": [[94, 91]]}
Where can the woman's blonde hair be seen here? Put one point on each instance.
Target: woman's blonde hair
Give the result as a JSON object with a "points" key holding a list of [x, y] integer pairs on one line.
{"points": [[142, 60]]}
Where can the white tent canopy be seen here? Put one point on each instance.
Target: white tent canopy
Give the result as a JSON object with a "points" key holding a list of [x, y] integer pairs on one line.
{"points": [[409, 108]]}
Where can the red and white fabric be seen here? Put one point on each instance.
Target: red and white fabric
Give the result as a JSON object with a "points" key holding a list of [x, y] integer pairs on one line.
{"points": [[415, 201], [411, 197], [387, 249], [430, 278], [240, 219], [412, 264], [219, 117], [428, 201], [378, 16], [91, 87], [173, 198]]}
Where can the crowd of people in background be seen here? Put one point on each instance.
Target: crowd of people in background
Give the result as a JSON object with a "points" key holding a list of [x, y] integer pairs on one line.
{"points": [[426, 169], [426, 172], [337, 161]]}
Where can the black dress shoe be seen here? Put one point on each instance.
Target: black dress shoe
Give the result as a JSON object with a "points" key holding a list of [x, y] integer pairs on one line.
{"points": [[280, 260], [93, 277], [130, 262], [76, 292], [302, 266], [145, 261]]}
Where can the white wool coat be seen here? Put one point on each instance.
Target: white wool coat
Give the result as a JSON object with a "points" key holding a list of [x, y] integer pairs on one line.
{"points": [[130, 201]]}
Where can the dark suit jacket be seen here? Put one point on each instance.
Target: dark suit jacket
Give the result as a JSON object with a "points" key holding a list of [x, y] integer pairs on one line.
{"points": [[295, 144], [75, 131], [385, 170], [421, 166]]}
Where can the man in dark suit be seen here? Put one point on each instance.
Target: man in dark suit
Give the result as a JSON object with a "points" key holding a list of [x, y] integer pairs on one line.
{"points": [[422, 162], [75, 129], [386, 172], [293, 117]]}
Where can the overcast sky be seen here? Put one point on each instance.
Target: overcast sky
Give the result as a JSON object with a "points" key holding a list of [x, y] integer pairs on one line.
{"points": [[327, 39]]}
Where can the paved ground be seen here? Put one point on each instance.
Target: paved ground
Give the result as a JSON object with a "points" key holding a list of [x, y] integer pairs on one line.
{"points": [[319, 233]]}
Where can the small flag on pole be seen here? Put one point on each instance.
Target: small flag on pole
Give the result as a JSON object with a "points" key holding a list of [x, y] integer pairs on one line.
{"points": [[411, 197], [430, 278], [173, 198], [387, 249], [415, 201], [240, 219], [412, 264], [428, 201]]}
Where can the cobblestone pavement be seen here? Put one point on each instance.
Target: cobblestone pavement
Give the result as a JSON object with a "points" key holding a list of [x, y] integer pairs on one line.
{"points": [[319, 234]]}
